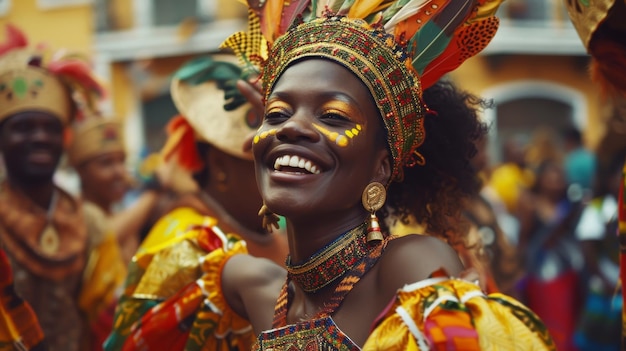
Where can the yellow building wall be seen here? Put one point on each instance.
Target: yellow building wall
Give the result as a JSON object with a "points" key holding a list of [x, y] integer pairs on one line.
{"points": [[479, 74], [69, 27], [125, 95]]}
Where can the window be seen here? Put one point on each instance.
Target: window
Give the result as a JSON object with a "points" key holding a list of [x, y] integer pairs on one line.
{"points": [[533, 12], [5, 6], [157, 112], [114, 15], [167, 12], [524, 107]]}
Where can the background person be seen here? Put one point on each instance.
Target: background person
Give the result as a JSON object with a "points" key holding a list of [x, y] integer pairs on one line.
{"points": [[66, 268]]}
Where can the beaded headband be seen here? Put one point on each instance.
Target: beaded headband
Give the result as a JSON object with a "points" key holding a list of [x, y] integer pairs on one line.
{"points": [[374, 57], [33, 88], [93, 137]]}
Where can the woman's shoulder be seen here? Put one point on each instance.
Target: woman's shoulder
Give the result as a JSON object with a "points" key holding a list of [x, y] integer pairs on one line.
{"points": [[414, 257]]}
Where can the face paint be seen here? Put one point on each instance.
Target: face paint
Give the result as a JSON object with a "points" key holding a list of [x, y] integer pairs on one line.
{"points": [[264, 134], [339, 139]]}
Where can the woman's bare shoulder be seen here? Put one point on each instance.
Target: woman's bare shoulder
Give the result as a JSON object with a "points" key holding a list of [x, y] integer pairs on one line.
{"points": [[412, 258]]}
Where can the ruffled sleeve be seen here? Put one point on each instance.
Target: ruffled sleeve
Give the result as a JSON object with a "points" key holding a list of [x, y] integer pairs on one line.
{"points": [[450, 314], [173, 298]]}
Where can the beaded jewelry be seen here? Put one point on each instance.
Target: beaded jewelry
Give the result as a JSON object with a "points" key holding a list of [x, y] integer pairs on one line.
{"points": [[331, 262]]}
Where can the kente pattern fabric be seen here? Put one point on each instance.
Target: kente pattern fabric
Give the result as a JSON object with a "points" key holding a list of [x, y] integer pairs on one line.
{"points": [[172, 298], [19, 327], [450, 314]]}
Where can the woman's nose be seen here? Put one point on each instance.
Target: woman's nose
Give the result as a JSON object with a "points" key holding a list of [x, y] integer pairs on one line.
{"points": [[298, 127]]}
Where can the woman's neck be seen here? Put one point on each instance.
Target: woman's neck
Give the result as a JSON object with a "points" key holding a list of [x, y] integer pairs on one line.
{"points": [[306, 237]]}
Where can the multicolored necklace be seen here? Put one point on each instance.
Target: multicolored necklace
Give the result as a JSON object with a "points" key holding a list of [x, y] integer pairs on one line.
{"points": [[331, 262]]}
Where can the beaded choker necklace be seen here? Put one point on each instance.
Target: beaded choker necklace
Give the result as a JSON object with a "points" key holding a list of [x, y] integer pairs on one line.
{"points": [[331, 262]]}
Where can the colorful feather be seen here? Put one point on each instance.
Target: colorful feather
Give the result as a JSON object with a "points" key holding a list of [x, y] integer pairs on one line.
{"points": [[433, 38], [181, 144], [270, 19], [364, 8], [439, 34], [400, 11], [15, 39], [467, 42], [291, 12], [87, 90], [77, 72]]}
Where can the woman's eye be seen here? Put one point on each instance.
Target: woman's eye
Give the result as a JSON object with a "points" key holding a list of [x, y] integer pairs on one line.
{"points": [[333, 117], [275, 117]]}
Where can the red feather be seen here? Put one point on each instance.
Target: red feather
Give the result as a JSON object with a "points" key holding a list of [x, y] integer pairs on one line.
{"points": [[270, 18], [78, 72], [181, 143], [15, 39], [295, 8], [466, 43]]}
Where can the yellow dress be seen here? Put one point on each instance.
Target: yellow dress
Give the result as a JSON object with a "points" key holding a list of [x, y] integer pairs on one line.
{"points": [[173, 301]]}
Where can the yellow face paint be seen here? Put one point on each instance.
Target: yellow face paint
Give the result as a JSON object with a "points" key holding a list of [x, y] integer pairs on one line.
{"points": [[262, 135], [339, 139]]}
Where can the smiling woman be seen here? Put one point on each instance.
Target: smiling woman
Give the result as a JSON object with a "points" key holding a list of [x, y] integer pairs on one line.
{"points": [[344, 122]]}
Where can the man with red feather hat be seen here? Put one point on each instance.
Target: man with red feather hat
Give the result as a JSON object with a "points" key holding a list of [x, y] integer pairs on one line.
{"points": [[64, 264]]}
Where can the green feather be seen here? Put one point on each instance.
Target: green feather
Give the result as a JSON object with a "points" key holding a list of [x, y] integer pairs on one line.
{"points": [[428, 43], [393, 9], [204, 69], [193, 67]]}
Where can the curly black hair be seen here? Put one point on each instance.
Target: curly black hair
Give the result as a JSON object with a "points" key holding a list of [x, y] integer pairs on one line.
{"points": [[434, 194]]}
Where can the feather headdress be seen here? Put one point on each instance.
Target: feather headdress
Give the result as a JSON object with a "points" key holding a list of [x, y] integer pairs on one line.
{"points": [[396, 47], [439, 34], [61, 84]]}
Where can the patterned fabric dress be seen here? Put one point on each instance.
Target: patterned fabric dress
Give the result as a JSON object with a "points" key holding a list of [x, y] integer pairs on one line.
{"points": [[173, 301]]}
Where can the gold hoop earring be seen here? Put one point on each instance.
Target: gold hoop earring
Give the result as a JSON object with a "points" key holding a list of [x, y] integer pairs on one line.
{"points": [[373, 199], [270, 219]]}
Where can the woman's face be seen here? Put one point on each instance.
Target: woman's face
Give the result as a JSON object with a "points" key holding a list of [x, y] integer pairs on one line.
{"points": [[321, 141], [105, 177]]}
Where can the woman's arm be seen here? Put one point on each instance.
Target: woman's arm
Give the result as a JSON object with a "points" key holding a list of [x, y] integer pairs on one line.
{"points": [[127, 223], [251, 287]]}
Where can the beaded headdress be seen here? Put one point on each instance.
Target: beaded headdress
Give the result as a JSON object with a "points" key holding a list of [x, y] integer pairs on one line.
{"points": [[396, 47], [94, 136], [29, 81]]}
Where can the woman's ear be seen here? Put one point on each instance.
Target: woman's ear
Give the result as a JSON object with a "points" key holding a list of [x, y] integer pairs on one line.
{"points": [[383, 167]]}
